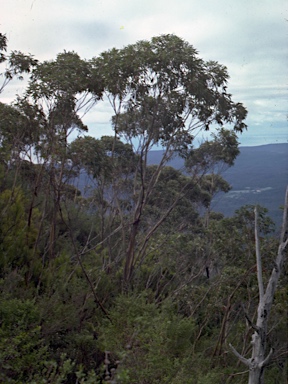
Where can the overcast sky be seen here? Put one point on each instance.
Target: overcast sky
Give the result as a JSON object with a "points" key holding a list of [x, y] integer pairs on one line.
{"points": [[248, 36]]}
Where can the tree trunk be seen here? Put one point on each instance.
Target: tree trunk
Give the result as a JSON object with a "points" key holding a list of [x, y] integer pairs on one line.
{"points": [[130, 254], [256, 376], [258, 361]]}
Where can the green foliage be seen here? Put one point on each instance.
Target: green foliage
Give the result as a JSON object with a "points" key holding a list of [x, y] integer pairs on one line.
{"points": [[16, 240], [3, 47], [216, 154], [244, 218], [162, 92], [22, 350], [17, 63], [148, 340], [68, 74], [133, 283], [103, 158], [21, 128]]}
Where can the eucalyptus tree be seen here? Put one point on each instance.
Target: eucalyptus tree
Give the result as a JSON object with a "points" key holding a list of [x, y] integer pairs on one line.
{"points": [[15, 132], [110, 165], [16, 63], [216, 155], [211, 159], [162, 94], [20, 129], [62, 90]]}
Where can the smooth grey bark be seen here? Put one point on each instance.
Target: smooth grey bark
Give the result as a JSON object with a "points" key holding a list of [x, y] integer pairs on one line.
{"points": [[258, 361]]}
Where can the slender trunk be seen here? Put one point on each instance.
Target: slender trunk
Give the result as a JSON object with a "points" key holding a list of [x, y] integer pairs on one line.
{"points": [[130, 254], [34, 194], [258, 361]]}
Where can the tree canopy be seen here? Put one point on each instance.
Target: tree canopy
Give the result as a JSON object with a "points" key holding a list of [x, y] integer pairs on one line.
{"points": [[162, 92], [113, 269]]}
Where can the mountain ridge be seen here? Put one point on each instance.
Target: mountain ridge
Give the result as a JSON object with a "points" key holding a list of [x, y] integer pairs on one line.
{"points": [[258, 176]]}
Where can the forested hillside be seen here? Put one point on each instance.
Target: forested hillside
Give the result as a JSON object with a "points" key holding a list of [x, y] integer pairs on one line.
{"points": [[259, 176], [136, 280]]}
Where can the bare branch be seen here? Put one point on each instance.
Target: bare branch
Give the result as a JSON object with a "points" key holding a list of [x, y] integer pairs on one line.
{"points": [[259, 338], [271, 287], [284, 223], [267, 359], [240, 357], [258, 257], [251, 324]]}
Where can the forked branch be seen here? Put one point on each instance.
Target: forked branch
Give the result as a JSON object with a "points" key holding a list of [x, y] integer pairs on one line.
{"points": [[258, 361]]}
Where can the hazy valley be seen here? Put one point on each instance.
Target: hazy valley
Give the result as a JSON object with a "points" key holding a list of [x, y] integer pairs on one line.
{"points": [[259, 176]]}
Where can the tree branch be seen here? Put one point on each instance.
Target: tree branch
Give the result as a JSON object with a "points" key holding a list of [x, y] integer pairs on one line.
{"points": [[79, 259], [240, 357], [267, 359], [258, 257], [272, 283], [251, 324], [284, 222]]}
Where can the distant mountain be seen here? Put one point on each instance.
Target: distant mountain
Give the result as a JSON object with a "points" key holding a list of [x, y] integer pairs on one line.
{"points": [[259, 176]]}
